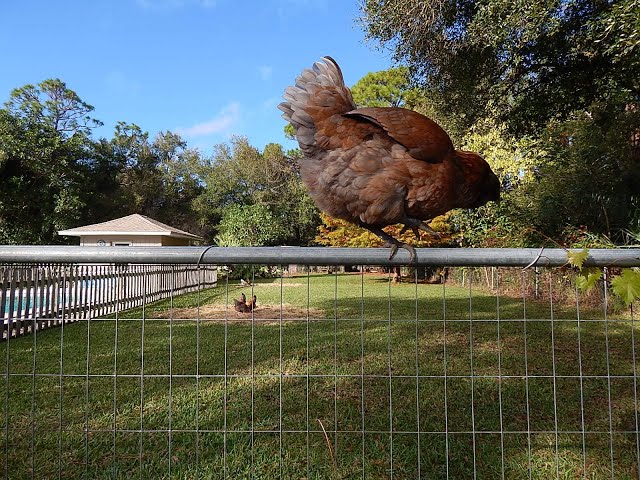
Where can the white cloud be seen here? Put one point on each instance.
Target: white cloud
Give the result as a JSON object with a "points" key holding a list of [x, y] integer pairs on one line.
{"points": [[226, 118], [266, 71]]}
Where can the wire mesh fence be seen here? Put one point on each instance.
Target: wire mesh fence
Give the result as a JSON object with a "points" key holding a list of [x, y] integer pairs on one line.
{"points": [[368, 371]]}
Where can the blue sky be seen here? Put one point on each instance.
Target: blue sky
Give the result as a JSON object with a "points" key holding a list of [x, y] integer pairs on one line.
{"points": [[207, 69]]}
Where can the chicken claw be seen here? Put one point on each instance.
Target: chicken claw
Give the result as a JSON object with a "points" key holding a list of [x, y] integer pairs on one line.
{"points": [[409, 248], [390, 242], [417, 225]]}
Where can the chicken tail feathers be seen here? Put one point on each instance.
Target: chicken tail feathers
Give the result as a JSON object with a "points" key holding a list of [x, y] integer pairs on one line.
{"points": [[318, 94]]}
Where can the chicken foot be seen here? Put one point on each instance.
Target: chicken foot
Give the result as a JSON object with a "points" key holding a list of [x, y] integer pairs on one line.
{"points": [[409, 223], [416, 225], [391, 242]]}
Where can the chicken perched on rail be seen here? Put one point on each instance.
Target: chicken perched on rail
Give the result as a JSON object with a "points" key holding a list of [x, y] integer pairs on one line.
{"points": [[379, 166]]}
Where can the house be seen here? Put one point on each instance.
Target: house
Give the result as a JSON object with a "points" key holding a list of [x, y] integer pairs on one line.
{"points": [[132, 230]]}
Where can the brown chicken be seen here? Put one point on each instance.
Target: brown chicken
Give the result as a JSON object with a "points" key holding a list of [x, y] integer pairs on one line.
{"points": [[253, 303], [379, 166], [242, 306]]}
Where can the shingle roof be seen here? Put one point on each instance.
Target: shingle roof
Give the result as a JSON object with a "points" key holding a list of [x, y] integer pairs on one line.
{"points": [[130, 225]]}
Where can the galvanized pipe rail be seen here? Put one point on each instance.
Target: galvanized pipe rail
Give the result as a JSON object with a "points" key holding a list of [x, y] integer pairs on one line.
{"points": [[470, 257]]}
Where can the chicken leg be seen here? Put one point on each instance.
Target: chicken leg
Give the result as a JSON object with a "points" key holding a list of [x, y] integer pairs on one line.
{"points": [[416, 225], [409, 223], [391, 242]]}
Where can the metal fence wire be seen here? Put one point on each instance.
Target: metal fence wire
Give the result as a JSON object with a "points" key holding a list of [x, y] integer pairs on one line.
{"points": [[473, 363]]}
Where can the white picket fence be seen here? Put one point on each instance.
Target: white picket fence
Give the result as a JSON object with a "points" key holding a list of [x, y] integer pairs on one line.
{"points": [[43, 296]]}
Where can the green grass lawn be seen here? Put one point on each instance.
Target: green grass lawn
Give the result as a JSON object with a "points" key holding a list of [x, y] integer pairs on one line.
{"points": [[354, 355]]}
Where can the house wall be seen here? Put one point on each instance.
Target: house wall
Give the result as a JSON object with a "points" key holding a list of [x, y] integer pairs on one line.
{"points": [[135, 241]]}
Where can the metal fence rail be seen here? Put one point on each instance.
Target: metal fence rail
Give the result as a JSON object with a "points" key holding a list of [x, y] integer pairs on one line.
{"points": [[468, 366], [469, 257]]}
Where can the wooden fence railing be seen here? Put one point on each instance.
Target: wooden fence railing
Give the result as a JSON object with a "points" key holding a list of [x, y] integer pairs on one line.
{"points": [[53, 294]]}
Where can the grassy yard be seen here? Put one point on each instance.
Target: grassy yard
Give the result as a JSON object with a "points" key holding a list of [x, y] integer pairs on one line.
{"points": [[357, 356]]}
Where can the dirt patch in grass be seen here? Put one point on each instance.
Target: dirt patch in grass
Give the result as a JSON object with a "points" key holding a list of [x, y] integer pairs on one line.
{"points": [[262, 312], [283, 284]]}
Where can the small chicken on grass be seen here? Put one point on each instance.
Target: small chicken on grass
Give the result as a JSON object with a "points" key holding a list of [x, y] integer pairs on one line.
{"points": [[379, 166], [242, 306]]}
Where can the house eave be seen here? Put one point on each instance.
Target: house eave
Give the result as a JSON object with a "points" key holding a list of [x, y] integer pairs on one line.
{"points": [[93, 233]]}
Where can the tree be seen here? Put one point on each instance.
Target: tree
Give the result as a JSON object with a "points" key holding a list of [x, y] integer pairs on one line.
{"points": [[157, 178], [547, 92], [225, 178], [526, 61], [53, 105], [515, 160], [290, 201], [44, 162], [54, 176], [177, 165], [387, 88], [140, 179], [248, 226], [239, 174], [590, 180], [334, 232]]}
